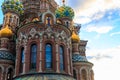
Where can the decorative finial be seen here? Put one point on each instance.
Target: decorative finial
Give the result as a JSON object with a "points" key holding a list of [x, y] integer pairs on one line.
{"points": [[63, 2]]}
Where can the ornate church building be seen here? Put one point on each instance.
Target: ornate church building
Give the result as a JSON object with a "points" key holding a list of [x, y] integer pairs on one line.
{"points": [[40, 41]]}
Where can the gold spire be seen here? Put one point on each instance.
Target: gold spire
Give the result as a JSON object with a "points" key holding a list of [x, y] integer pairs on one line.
{"points": [[6, 32], [63, 2]]}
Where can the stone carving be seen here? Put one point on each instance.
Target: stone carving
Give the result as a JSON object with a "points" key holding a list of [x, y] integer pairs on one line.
{"points": [[32, 32]]}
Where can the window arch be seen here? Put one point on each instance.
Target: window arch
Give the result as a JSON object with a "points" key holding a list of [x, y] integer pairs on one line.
{"points": [[61, 50], [84, 74], [33, 57], [48, 56], [10, 74], [22, 59]]}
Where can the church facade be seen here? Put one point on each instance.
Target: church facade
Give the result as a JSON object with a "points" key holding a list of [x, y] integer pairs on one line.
{"points": [[40, 41]]}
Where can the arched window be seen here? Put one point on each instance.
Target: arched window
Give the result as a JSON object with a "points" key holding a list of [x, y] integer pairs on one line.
{"points": [[48, 56], [92, 75], [74, 74], [61, 57], [67, 23], [33, 57], [22, 59], [9, 74], [14, 19], [84, 74], [10, 19]]}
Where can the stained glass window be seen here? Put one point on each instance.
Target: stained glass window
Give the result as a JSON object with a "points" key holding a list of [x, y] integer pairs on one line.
{"points": [[33, 56], [22, 60], [61, 58], [48, 56]]}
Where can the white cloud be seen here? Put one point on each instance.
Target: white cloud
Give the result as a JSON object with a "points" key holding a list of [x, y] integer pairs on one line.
{"points": [[96, 9], [115, 33], [83, 20], [89, 10], [99, 29], [106, 63]]}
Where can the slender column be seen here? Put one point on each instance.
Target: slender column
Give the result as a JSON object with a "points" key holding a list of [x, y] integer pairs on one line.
{"points": [[68, 65], [57, 57], [2, 76], [5, 75], [25, 50], [70, 53], [40, 64]]}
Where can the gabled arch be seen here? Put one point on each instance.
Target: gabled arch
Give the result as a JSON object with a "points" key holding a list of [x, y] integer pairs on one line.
{"points": [[50, 13]]}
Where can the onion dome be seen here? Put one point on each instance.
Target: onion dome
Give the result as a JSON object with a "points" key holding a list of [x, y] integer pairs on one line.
{"points": [[75, 37], [6, 55], [64, 11], [6, 32], [79, 58], [12, 5]]}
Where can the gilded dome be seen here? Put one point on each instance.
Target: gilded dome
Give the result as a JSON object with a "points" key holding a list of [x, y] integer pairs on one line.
{"points": [[12, 5], [75, 37], [6, 32], [64, 11]]}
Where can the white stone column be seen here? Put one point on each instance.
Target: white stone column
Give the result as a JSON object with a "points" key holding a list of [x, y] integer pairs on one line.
{"points": [[71, 64], [57, 58], [68, 58], [40, 64], [25, 55]]}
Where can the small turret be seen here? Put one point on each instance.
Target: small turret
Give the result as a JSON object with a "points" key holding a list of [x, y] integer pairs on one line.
{"points": [[12, 9], [65, 15]]}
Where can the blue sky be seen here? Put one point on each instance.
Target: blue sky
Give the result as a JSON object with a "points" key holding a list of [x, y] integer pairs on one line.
{"points": [[100, 20]]}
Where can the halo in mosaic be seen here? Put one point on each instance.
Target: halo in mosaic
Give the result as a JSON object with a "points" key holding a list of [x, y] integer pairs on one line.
{"points": [[64, 11], [6, 55], [79, 58], [12, 5]]}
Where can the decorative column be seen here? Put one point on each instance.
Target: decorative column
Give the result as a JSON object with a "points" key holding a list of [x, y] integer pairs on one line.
{"points": [[40, 59], [25, 55], [57, 57], [68, 60]]}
